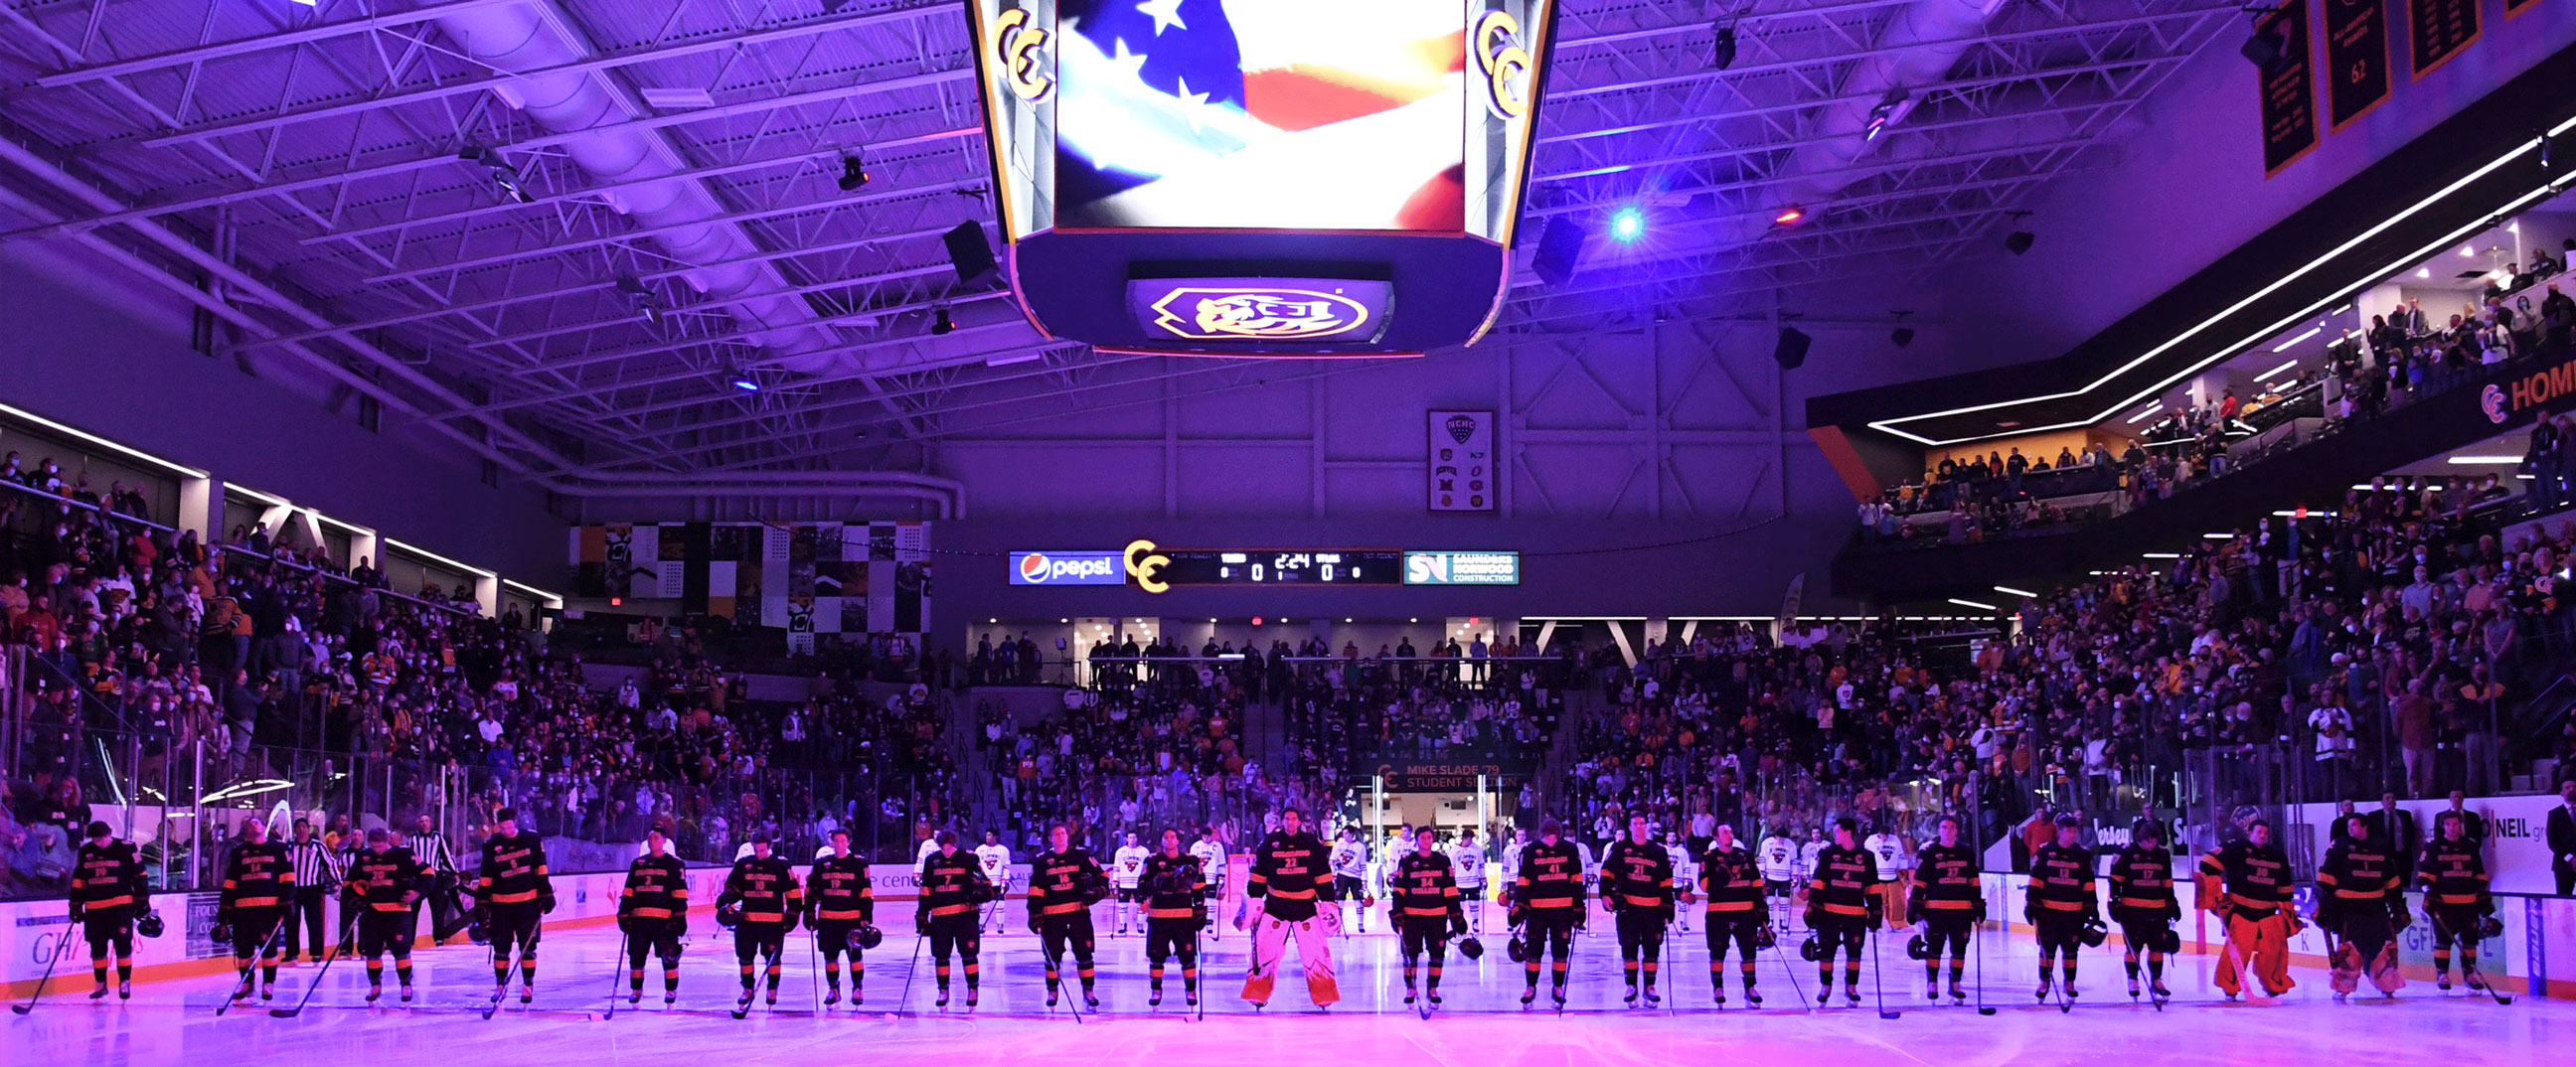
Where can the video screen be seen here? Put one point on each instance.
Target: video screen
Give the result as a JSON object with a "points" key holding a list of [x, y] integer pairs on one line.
{"points": [[1261, 114]]}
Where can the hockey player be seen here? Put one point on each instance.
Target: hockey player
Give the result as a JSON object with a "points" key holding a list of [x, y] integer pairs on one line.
{"points": [[1350, 878], [2060, 900], [1778, 861], [1063, 885], [840, 902], [2361, 901], [1126, 869], [1425, 906], [2456, 899], [2142, 902], [383, 883], [994, 858], [1547, 904], [1467, 866], [107, 895], [1949, 901], [952, 889], [653, 911], [762, 895], [1685, 875], [2247, 882], [1509, 863], [1734, 886], [1637, 890], [1290, 890], [1175, 908], [1808, 852], [1888, 851], [514, 894], [1841, 909], [1210, 853], [257, 880]]}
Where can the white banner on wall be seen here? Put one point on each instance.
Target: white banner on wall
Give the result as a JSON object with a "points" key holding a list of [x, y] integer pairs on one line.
{"points": [[1461, 465]]}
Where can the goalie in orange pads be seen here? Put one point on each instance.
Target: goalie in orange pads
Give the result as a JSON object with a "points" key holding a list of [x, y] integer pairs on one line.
{"points": [[1289, 886], [2247, 883]]}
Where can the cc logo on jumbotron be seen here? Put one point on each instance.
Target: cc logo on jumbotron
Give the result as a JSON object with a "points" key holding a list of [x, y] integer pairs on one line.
{"points": [[1143, 563], [1021, 48], [1508, 69]]}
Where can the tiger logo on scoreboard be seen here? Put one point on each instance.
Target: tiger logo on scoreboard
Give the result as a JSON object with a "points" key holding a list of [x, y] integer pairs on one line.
{"points": [[1235, 314]]}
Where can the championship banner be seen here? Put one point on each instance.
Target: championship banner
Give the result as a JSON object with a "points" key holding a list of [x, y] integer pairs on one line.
{"points": [[2289, 103], [2356, 59], [1462, 470], [2436, 30]]}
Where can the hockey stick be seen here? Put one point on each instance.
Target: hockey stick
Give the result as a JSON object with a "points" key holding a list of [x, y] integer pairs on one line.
{"points": [[61, 948], [329, 957], [243, 989], [1794, 987], [1878, 982], [1189, 985], [617, 968], [913, 967], [1055, 963], [2246, 980], [2471, 943], [814, 963], [1977, 929]]}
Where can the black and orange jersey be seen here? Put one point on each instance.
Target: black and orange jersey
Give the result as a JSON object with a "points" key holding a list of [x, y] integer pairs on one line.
{"points": [[765, 887], [1731, 880], [1946, 878], [2358, 871], [108, 876], [1172, 885], [384, 881], [657, 887], [514, 871], [952, 884], [1637, 876], [258, 876], [2253, 880], [2143, 878], [1840, 884], [1424, 887], [2061, 880], [2452, 872], [838, 890], [1551, 878], [1290, 875], [1061, 883]]}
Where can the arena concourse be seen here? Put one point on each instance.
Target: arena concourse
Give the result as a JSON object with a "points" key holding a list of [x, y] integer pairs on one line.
{"points": [[1470, 531]]}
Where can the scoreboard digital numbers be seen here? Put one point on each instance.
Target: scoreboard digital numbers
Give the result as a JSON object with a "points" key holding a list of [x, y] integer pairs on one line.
{"points": [[1342, 566]]}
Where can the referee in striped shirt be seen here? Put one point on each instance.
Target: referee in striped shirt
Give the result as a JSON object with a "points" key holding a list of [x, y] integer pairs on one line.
{"points": [[317, 873], [438, 887]]}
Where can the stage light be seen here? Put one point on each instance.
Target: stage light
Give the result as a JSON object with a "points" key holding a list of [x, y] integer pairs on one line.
{"points": [[1627, 224], [744, 382], [2423, 272], [504, 176], [941, 324], [647, 303], [1724, 54], [1789, 216], [1883, 113], [853, 173]]}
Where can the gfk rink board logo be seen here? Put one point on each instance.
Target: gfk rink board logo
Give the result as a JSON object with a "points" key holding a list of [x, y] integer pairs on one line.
{"points": [[1068, 568]]}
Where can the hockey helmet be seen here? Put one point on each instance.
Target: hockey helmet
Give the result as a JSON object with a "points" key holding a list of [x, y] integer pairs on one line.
{"points": [[1517, 948], [221, 933], [1810, 951], [2093, 933], [478, 930], [1915, 949], [866, 937], [2169, 942], [1368, 900], [1471, 948], [1765, 937], [729, 915], [2490, 927], [150, 924]]}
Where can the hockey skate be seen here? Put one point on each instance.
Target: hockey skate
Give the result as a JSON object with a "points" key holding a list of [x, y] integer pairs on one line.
{"points": [[831, 995], [971, 992], [1851, 996], [406, 993], [742, 1006], [1154, 999], [1957, 995], [772, 998], [1824, 996], [942, 1002], [635, 996], [1529, 995], [1630, 998], [1753, 996], [125, 989], [2044, 986], [2472, 978], [1558, 992], [1931, 989], [527, 994], [99, 993], [374, 992], [1652, 998], [268, 991], [1433, 994], [2133, 987], [2156, 989], [669, 997], [1090, 1000], [1408, 993]]}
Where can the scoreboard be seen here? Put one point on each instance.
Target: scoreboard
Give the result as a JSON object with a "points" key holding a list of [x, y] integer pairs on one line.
{"points": [[1335, 566]]}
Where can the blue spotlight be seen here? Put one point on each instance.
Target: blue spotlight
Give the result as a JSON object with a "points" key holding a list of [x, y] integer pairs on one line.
{"points": [[744, 382], [1627, 224]]}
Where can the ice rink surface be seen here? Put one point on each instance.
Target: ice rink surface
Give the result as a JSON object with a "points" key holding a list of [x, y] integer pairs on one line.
{"points": [[1481, 1024]]}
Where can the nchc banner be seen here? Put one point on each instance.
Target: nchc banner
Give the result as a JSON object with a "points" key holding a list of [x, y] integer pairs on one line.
{"points": [[2288, 87], [2356, 60], [2436, 30]]}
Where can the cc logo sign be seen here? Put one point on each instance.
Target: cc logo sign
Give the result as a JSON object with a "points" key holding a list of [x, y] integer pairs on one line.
{"points": [[1021, 48], [1143, 563], [1505, 64]]}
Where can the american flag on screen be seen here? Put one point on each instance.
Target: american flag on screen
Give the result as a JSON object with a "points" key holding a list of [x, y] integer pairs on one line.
{"points": [[1269, 114]]}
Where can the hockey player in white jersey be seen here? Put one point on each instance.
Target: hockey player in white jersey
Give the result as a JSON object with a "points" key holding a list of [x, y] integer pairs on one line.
{"points": [[1510, 860], [995, 859], [1894, 864], [1210, 853], [1778, 862], [1467, 865], [1126, 867], [1350, 863], [1685, 874]]}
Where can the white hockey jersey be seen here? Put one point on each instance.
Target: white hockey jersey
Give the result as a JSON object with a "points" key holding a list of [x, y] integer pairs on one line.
{"points": [[1127, 865], [1807, 854], [996, 861], [921, 857], [1211, 857], [1685, 867], [1467, 865], [1511, 860], [1778, 859], [1350, 860], [1889, 850]]}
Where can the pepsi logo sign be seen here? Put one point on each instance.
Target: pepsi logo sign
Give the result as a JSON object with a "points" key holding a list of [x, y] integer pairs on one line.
{"points": [[1068, 568]]}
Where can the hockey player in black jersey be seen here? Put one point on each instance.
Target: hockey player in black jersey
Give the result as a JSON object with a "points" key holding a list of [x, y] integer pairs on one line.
{"points": [[1171, 883], [2143, 903], [514, 894], [840, 902], [653, 912], [1064, 882], [1948, 902], [383, 883], [1841, 908], [1637, 888], [1737, 914], [953, 888], [1428, 910], [2060, 900], [763, 899], [107, 896]]}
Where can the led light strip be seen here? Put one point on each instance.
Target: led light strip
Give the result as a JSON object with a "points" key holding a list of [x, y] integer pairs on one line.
{"points": [[435, 557], [1889, 425], [91, 438]]}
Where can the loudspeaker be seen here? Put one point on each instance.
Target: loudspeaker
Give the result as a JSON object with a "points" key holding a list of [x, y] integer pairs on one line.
{"points": [[2019, 241], [1792, 350], [968, 252], [2264, 49], [1558, 249]]}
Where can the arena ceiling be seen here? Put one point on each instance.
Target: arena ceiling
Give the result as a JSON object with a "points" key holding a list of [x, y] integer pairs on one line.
{"points": [[567, 233]]}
